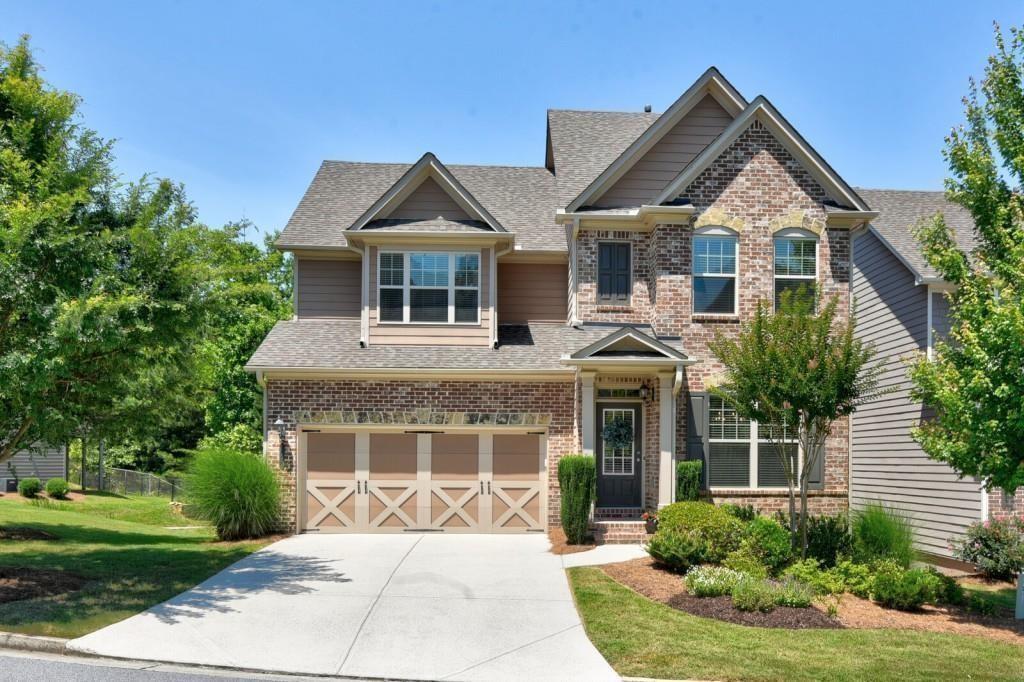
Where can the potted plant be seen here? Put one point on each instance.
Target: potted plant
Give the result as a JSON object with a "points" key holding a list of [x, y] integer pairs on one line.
{"points": [[650, 521]]}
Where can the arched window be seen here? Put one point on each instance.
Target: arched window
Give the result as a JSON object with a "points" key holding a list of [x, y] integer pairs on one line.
{"points": [[715, 259], [796, 263]]}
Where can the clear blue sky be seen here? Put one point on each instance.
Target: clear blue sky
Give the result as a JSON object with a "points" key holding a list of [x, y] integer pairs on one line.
{"points": [[241, 101]]}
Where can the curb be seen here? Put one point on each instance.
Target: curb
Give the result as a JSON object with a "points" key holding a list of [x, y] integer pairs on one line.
{"points": [[50, 645]]}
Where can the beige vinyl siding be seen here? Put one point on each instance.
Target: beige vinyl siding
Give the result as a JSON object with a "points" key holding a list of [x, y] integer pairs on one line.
{"points": [[433, 334], [533, 292], [42, 462], [426, 202], [886, 464], [667, 158], [328, 288]]}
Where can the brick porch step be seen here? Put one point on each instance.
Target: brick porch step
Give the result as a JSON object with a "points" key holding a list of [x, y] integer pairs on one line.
{"points": [[619, 532], [617, 513]]}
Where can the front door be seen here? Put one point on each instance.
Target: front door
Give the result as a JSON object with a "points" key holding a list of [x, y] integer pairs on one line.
{"points": [[619, 468]]}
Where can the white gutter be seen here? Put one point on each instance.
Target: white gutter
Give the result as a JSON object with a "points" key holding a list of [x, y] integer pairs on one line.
{"points": [[262, 371], [640, 214]]}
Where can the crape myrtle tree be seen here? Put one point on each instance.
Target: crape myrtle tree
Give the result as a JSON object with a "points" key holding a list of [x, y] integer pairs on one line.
{"points": [[103, 289], [975, 381], [796, 371]]}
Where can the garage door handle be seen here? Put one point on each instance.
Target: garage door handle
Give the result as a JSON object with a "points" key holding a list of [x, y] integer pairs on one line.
{"points": [[481, 487], [488, 487]]}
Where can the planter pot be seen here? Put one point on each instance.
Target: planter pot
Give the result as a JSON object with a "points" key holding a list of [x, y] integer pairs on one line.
{"points": [[651, 526]]}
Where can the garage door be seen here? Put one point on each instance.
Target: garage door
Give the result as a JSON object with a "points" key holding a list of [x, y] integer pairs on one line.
{"points": [[394, 482]]}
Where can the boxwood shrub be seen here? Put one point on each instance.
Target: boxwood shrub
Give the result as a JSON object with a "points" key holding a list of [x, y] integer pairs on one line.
{"points": [[577, 479], [766, 539], [718, 532], [900, 588], [29, 487], [57, 488]]}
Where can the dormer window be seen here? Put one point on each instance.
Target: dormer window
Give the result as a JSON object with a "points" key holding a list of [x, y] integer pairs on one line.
{"points": [[429, 287]]}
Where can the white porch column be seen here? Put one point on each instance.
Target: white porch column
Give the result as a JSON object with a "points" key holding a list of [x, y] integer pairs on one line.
{"points": [[588, 424], [666, 426]]}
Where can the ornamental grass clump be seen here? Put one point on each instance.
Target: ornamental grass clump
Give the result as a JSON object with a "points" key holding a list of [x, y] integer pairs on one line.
{"points": [[236, 492], [882, 534], [577, 479]]}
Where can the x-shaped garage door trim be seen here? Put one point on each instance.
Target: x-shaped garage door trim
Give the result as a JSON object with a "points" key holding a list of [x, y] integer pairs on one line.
{"points": [[455, 507], [516, 507], [331, 507], [392, 505]]}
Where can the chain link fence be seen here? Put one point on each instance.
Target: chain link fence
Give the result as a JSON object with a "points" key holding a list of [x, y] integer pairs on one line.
{"points": [[128, 482]]}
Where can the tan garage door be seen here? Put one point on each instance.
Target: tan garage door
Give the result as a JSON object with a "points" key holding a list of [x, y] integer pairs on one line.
{"points": [[393, 482]]}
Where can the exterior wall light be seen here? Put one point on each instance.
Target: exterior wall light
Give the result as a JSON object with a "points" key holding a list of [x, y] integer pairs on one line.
{"points": [[279, 425]]}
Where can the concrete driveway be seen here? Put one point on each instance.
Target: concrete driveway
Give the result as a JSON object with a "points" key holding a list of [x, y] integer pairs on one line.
{"points": [[423, 607]]}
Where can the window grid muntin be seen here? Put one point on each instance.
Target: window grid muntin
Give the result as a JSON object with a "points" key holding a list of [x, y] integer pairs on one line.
{"points": [[619, 462], [796, 257], [715, 260], [726, 430], [470, 270]]}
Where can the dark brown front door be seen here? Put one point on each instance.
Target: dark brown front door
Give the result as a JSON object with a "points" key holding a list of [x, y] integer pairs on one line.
{"points": [[619, 469]]}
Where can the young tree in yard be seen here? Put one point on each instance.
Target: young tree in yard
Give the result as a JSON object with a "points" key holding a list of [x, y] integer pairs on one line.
{"points": [[103, 292], [796, 371], [975, 382]]}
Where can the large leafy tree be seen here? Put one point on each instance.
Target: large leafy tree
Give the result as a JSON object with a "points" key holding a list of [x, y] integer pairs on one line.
{"points": [[796, 371], [103, 291], [976, 382]]}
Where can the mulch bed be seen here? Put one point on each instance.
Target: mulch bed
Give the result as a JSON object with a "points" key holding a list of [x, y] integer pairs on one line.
{"points": [[17, 583], [559, 545], [20, 533], [643, 576]]}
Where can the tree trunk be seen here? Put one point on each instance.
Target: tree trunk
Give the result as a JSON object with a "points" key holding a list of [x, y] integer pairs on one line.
{"points": [[803, 517]]}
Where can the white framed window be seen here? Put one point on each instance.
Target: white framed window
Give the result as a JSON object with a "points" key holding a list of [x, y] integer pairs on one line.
{"points": [[795, 263], [740, 454], [617, 461], [715, 259], [428, 287]]}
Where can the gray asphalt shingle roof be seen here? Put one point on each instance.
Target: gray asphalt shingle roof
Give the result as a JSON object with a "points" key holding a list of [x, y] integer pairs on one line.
{"points": [[521, 199], [901, 210], [334, 344]]}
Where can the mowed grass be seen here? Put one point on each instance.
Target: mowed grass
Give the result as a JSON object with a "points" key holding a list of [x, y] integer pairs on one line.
{"points": [[642, 638], [120, 546], [1001, 597]]}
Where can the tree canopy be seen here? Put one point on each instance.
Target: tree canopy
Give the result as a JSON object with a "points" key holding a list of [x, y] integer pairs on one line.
{"points": [[975, 382]]}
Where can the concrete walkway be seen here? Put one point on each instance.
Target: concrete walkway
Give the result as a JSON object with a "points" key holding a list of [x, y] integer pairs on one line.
{"points": [[423, 607]]}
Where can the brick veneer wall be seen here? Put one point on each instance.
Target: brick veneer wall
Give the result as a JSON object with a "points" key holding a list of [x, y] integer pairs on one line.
{"points": [[286, 397], [1002, 505], [756, 184]]}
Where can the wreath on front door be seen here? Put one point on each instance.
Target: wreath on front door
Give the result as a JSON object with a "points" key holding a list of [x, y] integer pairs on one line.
{"points": [[618, 433]]}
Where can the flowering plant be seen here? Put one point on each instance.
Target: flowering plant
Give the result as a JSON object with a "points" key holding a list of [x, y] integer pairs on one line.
{"points": [[996, 547]]}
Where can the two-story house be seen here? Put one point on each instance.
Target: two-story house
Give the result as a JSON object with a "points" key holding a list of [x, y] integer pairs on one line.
{"points": [[458, 329]]}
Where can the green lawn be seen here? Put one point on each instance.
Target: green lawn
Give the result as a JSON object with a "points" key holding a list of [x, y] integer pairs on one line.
{"points": [[121, 546], [642, 638], [999, 596]]}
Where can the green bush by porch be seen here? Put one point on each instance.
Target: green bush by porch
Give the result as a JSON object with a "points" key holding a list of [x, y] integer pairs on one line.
{"points": [[688, 475], [577, 478]]}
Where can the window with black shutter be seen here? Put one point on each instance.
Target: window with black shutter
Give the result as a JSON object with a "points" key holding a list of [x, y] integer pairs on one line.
{"points": [[613, 272]]}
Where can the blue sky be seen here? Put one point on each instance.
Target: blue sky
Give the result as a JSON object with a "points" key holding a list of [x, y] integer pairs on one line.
{"points": [[241, 101]]}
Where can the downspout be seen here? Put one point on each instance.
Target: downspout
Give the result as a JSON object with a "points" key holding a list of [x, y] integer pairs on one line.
{"points": [[494, 292], [574, 276], [364, 301]]}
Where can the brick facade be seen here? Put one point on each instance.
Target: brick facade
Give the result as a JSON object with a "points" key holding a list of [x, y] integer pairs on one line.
{"points": [[286, 397], [1002, 505]]}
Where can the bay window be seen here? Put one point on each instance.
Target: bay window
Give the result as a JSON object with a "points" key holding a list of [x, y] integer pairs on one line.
{"points": [[714, 272], [429, 287], [796, 264]]}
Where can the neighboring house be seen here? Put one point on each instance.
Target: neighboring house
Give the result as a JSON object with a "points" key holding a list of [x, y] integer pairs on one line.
{"points": [[459, 329], [37, 461], [902, 309]]}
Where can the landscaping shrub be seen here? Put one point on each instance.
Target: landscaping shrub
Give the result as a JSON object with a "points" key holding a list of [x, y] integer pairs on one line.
{"points": [[904, 589], [577, 478], [711, 581], [856, 579], [236, 492], [744, 561], [688, 479], [792, 592], [744, 512], [717, 531], [766, 539], [675, 550], [845, 576], [995, 547], [57, 488], [29, 487], [828, 538], [948, 591], [880, 534], [754, 594]]}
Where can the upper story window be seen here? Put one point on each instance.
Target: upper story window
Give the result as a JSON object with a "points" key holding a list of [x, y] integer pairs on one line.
{"points": [[796, 264], [432, 287], [715, 254], [614, 272]]}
